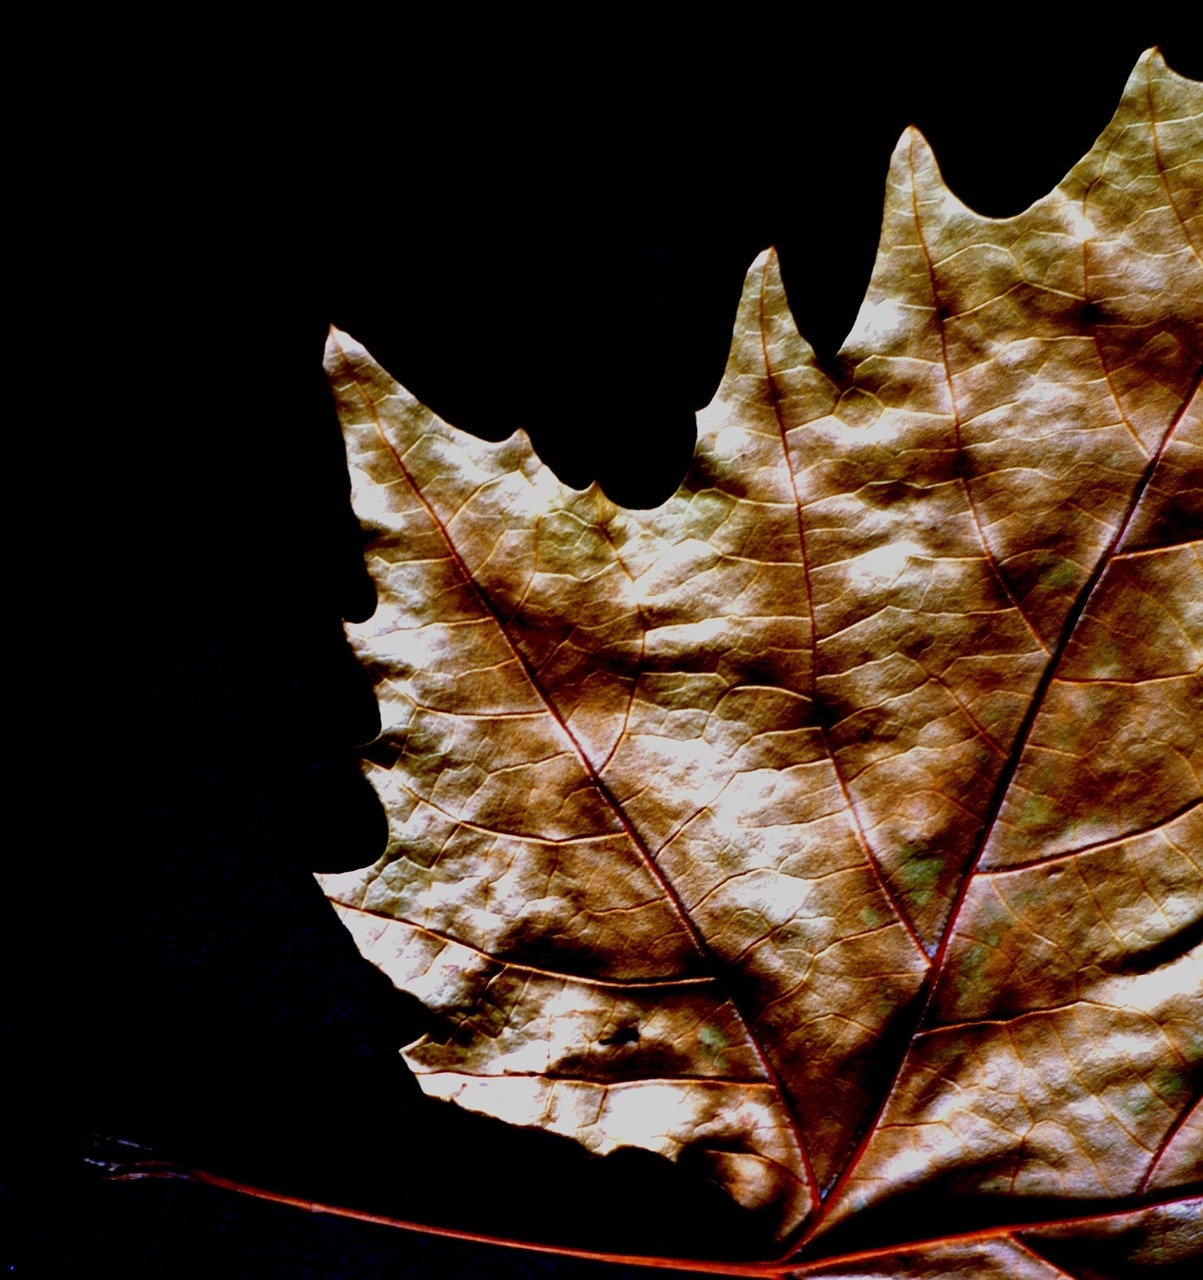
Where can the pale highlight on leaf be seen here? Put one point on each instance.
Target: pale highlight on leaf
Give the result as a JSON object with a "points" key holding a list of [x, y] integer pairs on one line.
{"points": [[834, 826]]}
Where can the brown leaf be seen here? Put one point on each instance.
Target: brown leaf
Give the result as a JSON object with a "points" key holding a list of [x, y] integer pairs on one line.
{"points": [[833, 827]]}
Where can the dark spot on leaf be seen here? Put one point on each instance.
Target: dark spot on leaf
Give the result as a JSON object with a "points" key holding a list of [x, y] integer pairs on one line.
{"points": [[625, 1035], [1091, 315], [756, 673], [1167, 950], [888, 493]]}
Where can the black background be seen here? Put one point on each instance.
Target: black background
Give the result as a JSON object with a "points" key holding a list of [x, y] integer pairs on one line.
{"points": [[547, 235]]}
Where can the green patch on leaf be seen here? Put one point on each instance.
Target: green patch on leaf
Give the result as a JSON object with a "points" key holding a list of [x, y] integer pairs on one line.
{"points": [[973, 961], [713, 1040], [920, 873], [1031, 896], [1037, 811], [1172, 1084], [1108, 661], [1057, 573]]}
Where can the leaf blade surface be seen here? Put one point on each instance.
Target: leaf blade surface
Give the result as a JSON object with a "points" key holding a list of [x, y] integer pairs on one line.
{"points": [[832, 805]]}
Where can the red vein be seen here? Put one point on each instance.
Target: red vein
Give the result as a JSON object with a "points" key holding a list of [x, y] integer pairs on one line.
{"points": [[972, 1024], [973, 720], [504, 963], [1040, 1258], [626, 715], [1095, 846], [1175, 1129], [600, 1082], [480, 1237], [862, 840], [604, 791], [1142, 552], [1106, 1217]]}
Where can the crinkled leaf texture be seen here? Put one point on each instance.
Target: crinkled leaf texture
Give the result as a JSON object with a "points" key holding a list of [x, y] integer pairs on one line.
{"points": [[835, 826]]}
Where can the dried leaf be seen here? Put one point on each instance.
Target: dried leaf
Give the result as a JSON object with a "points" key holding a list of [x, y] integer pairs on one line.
{"points": [[835, 826]]}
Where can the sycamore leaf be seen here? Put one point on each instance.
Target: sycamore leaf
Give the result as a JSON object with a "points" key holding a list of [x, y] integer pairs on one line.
{"points": [[835, 826]]}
